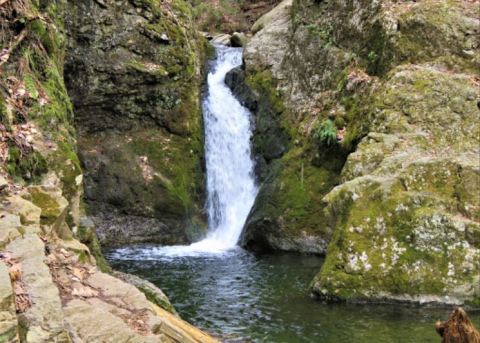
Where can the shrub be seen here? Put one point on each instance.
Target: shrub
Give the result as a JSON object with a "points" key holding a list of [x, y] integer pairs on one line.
{"points": [[326, 133]]}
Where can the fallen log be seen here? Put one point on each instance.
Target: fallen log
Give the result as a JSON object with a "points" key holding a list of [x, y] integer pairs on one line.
{"points": [[458, 329]]}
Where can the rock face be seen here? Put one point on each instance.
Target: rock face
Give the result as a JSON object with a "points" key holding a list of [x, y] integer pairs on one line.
{"points": [[133, 73], [395, 198], [52, 287]]}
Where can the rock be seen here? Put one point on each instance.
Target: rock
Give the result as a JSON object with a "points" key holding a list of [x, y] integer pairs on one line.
{"points": [[152, 292], [10, 228], [43, 320], [3, 183], [8, 318], [80, 250], [113, 230], [54, 208], [28, 212], [129, 316], [238, 40], [280, 11], [267, 47], [83, 316], [398, 188], [221, 39], [139, 67], [207, 35]]}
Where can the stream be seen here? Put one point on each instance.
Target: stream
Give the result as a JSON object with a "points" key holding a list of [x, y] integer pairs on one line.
{"points": [[241, 297]]}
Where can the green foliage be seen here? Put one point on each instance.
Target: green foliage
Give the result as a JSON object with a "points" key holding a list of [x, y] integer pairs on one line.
{"points": [[221, 16], [326, 133], [372, 56], [31, 86], [324, 33]]}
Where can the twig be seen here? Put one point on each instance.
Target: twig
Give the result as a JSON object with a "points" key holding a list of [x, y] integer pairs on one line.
{"points": [[6, 54]]}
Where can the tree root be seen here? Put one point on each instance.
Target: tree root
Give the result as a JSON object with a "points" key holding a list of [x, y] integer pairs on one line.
{"points": [[458, 328]]}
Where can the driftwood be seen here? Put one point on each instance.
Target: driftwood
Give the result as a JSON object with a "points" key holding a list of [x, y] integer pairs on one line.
{"points": [[458, 328]]}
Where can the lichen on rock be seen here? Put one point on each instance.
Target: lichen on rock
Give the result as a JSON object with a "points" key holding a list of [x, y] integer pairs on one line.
{"points": [[396, 197]]}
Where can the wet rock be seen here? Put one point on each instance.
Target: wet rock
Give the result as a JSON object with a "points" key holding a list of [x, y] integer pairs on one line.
{"points": [[222, 39], [238, 40], [152, 292]]}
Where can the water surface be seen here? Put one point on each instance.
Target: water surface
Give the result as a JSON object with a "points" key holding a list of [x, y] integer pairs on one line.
{"points": [[265, 299]]}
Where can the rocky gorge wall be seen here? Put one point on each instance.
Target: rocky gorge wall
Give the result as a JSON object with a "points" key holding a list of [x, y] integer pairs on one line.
{"points": [[133, 71], [54, 284], [367, 140]]}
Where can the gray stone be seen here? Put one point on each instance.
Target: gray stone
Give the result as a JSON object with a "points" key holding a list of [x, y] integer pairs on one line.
{"points": [[43, 321], [8, 318], [238, 40], [221, 39]]}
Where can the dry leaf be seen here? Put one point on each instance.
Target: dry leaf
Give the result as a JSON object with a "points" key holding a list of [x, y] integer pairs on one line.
{"points": [[85, 292]]}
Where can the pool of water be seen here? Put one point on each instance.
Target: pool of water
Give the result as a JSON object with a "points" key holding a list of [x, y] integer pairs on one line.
{"points": [[248, 298]]}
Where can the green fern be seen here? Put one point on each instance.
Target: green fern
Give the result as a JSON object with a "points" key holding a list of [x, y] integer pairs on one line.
{"points": [[326, 133]]}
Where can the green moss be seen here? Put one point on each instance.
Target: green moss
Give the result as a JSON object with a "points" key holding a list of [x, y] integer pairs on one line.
{"points": [[65, 161], [30, 85], [49, 206], [3, 112], [177, 165], [29, 167], [153, 298], [87, 236], [383, 225], [150, 69], [264, 83]]}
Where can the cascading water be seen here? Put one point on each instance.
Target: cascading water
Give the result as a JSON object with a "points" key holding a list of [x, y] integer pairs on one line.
{"points": [[230, 176], [230, 169]]}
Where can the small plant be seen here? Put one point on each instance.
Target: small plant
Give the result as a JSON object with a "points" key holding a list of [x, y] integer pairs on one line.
{"points": [[324, 33], [372, 56], [326, 133]]}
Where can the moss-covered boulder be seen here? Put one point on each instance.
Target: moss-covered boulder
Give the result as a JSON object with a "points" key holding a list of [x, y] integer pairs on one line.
{"points": [[134, 71], [407, 216], [395, 196]]}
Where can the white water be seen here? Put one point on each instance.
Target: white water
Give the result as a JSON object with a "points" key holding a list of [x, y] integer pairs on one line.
{"points": [[230, 176]]}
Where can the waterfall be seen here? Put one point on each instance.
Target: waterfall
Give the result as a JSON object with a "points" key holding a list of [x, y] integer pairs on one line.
{"points": [[230, 175], [231, 188]]}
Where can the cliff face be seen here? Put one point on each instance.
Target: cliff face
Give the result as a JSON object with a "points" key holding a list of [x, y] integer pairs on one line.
{"points": [[380, 104], [133, 73], [53, 285]]}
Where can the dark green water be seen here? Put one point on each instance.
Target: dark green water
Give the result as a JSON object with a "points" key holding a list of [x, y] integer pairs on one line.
{"points": [[251, 298]]}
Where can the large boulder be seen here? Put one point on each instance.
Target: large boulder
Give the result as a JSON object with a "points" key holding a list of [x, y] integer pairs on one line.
{"points": [[406, 217], [133, 70], [394, 198]]}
